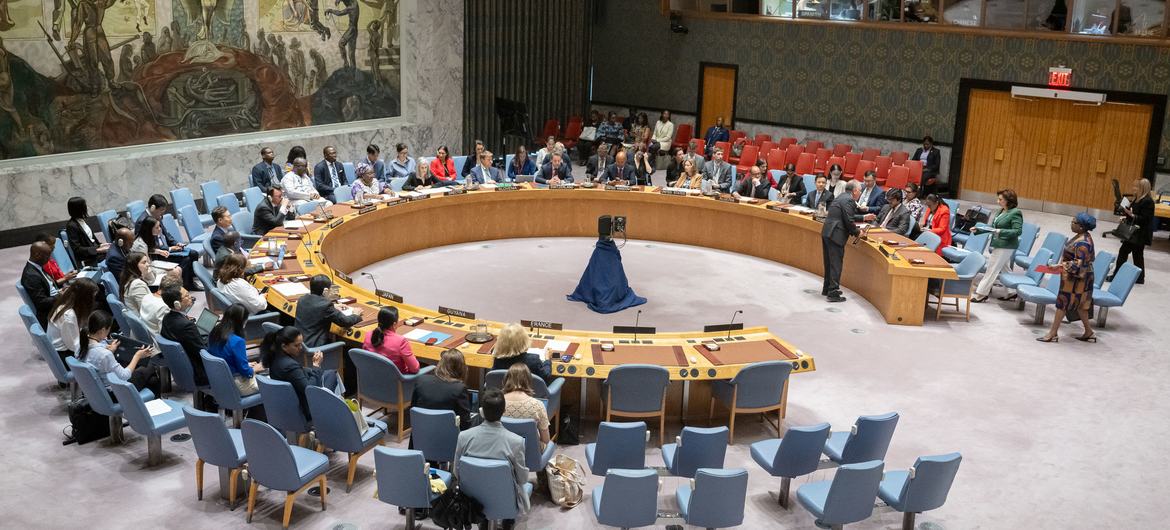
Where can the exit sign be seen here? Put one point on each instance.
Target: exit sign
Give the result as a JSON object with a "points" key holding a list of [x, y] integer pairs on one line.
{"points": [[1059, 76]]}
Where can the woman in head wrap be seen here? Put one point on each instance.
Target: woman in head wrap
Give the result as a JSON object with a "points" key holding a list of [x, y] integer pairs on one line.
{"points": [[1076, 279], [366, 185]]}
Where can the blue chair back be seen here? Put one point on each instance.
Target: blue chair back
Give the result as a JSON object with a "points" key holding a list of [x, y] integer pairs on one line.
{"points": [[629, 498], [110, 284], [871, 440], [620, 445], [28, 316], [402, 477], [178, 363], [222, 385], [333, 421], [135, 209], [212, 439], [307, 207], [227, 200], [136, 327], [216, 300], [1123, 282], [1028, 234], [253, 197], [64, 239], [92, 387], [760, 385], [270, 459], [929, 240], [242, 222], [171, 227], [953, 206], [181, 197], [490, 482], [44, 344], [191, 222], [508, 158], [852, 493], [24, 295], [810, 182], [637, 387], [104, 219], [350, 172], [526, 428], [211, 192], [116, 309], [930, 484], [700, 447], [495, 379], [970, 266], [1101, 265], [343, 193], [1054, 243], [978, 242], [800, 450], [61, 255], [396, 184], [204, 275], [461, 161], [434, 433], [379, 379], [133, 408], [282, 408], [1042, 257], [718, 498]]}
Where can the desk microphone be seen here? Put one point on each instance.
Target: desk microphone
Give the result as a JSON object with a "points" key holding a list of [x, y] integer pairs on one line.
{"points": [[729, 324], [324, 214], [637, 318], [377, 292]]}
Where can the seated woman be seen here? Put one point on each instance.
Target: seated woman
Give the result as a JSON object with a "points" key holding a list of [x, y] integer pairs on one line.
{"points": [[133, 281], [403, 166], [87, 250], [226, 341], [229, 278], [366, 185], [99, 352], [419, 181], [835, 185], [521, 164], [281, 352], [689, 177], [512, 347], [520, 403], [443, 389], [443, 167], [73, 306], [938, 220], [385, 341]]}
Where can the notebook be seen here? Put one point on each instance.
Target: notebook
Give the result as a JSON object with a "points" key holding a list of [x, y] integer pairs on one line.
{"points": [[127, 347]]}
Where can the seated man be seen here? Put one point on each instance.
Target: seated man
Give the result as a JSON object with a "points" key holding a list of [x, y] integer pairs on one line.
{"points": [[555, 171], [821, 196], [483, 173], [718, 172], [298, 185], [315, 314], [620, 173], [329, 174], [36, 282], [223, 224], [231, 245], [753, 185], [492, 441], [178, 327], [272, 212], [597, 164], [473, 161], [873, 197], [894, 216], [116, 257]]}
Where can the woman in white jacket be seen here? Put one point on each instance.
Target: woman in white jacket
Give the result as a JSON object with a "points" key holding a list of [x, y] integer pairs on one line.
{"points": [[229, 279]]}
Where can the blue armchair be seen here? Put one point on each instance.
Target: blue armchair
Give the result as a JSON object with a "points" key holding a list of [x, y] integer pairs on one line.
{"points": [[695, 448], [404, 480], [619, 445], [868, 439], [758, 387], [381, 383], [922, 488], [795, 455], [714, 498], [637, 391], [848, 498], [276, 465], [335, 427], [534, 458], [152, 427], [435, 433], [217, 445], [631, 500]]}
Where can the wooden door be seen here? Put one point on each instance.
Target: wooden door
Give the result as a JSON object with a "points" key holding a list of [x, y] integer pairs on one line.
{"points": [[716, 95]]}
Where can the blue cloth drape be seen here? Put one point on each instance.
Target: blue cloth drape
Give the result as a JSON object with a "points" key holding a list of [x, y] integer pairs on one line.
{"points": [[603, 286]]}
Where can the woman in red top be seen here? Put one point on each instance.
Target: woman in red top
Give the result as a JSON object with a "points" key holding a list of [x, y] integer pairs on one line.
{"points": [[386, 342], [937, 219], [443, 167]]}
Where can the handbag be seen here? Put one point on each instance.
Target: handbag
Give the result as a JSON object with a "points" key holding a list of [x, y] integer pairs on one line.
{"points": [[455, 509], [358, 417], [566, 481], [1126, 232], [85, 424]]}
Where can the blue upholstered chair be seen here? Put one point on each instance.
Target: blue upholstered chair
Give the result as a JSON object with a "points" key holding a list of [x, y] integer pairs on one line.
{"points": [[1028, 234], [223, 388], [116, 309], [136, 328], [953, 207], [396, 184], [62, 256], [714, 498], [282, 408], [637, 391], [868, 439], [619, 445], [758, 387], [227, 200], [492, 483], [181, 198], [208, 282], [110, 284], [795, 455], [309, 207], [1032, 276], [192, 225], [549, 394], [1053, 242], [975, 243], [211, 191], [253, 196], [961, 287], [152, 427], [171, 226], [350, 173], [404, 477], [695, 448], [94, 390], [24, 295], [810, 182], [1101, 264], [461, 161], [217, 445], [1041, 296], [534, 459], [848, 498], [242, 223], [929, 240], [632, 498], [335, 428], [274, 464], [104, 219], [922, 488], [181, 370], [29, 319], [57, 366], [435, 433], [343, 193], [1118, 291], [382, 385]]}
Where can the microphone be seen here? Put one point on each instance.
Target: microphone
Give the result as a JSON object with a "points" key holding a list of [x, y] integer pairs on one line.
{"points": [[729, 324], [377, 292], [637, 318]]}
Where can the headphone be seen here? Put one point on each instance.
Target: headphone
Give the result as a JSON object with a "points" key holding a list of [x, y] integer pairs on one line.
{"points": [[178, 305]]}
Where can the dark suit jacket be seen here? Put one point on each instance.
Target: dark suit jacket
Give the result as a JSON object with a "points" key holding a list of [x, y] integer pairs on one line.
{"points": [[1143, 217], [795, 185], [38, 288], [539, 368], [115, 260], [812, 200], [314, 316], [84, 248], [217, 238], [593, 167], [720, 177], [323, 182], [877, 199], [267, 216], [899, 222], [565, 171], [933, 160], [745, 188], [713, 135], [287, 369], [839, 222], [430, 392], [178, 328], [265, 176], [624, 174]]}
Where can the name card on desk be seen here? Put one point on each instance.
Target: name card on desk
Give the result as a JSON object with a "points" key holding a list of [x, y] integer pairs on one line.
{"points": [[541, 324], [456, 191], [336, 223], [619, 187], [680, 191], [563, 187], [456, 313], [367, 209], [727, 198], [388, 295], [343, 276], [506, 187]]}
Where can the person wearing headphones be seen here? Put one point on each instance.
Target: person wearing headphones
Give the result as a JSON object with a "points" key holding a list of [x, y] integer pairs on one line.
{"points": [[178, 327]]}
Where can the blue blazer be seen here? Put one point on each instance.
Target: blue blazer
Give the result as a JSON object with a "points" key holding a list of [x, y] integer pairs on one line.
{"points": [[476, 174], [265, 176], [528, 169], [877, 199], [612, 173]]}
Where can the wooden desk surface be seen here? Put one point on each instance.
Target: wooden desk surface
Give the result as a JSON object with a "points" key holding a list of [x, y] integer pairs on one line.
{"points": [[1162, 210]]}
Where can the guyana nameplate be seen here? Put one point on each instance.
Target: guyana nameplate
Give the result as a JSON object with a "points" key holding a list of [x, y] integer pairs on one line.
{"points": [[456, 313]]}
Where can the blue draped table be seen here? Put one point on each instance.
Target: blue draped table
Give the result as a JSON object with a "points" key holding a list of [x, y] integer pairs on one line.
{"points": [[603, 286]]}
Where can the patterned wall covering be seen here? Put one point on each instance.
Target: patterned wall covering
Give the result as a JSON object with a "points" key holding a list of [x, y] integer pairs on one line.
{"points": [[872, 81]]}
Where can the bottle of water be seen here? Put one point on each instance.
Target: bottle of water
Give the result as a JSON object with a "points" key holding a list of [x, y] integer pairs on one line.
{"points": [[359, 197]]}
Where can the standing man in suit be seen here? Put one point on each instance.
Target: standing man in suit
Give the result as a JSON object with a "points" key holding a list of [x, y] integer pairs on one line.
{"points": [[820, 196], [718, 172], [620, 172], [894, 216], [272, 212], [40, 288], [177, 327], [598, 163], [931, 160], [329, 174], [483, 173], [555, 171], [265, 174], [492, 441], [872, 196], [716, 133], [315, 314], [838, 227], [372, 158]]}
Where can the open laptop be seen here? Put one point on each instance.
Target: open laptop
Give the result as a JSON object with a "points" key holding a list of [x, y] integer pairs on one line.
{"points": [[279, 262], [206, 321]]}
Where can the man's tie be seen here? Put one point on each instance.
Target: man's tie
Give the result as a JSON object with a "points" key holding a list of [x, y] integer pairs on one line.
{"points": [[483, 171], [333, 175]]}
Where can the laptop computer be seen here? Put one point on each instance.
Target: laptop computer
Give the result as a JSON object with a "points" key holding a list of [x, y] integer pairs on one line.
{"points": [[279, 262], [206, 321]]}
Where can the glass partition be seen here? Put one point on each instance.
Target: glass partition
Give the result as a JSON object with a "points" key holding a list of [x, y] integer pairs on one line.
{"points": [[1093, 17], [776, 8]]}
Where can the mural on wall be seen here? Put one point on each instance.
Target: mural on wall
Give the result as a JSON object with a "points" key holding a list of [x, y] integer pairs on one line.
{"points": [[89, 74]]}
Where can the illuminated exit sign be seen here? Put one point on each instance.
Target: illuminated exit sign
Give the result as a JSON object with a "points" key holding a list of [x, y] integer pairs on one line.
{"points": [[1059, 76]]}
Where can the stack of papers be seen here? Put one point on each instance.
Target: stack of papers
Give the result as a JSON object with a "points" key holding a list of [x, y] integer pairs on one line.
{"points": [[799, 208], [557, 346], [539, 352], [163, 265], [290, 289], [157, 407], [433, 191], [295, 224], [260, 261]]}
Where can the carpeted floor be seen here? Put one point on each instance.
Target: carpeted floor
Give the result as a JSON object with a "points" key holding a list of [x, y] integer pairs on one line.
{"points": [[1066, 435]]}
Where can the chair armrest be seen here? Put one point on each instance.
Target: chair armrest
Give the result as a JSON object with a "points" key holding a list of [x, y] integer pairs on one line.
{"points": [[331, 354], [423, 370], [254, 327]]}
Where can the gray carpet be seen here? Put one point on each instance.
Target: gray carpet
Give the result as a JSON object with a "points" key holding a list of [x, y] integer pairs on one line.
{"points": [[1066, 435]]}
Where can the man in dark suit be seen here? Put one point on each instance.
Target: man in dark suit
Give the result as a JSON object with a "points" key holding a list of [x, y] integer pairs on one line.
{"points": [[894, 216], [718, 172], [272, 212], [265, 174], [483, 173], [315, 314], [820, 196], [838, 227], [619, 172], [754, 186], [555, 171], [931, 160], [177, 327], [223, 224], [36, 282], [597, 164], [873, 197], [716, 133], [116, 256], [329, 174]]}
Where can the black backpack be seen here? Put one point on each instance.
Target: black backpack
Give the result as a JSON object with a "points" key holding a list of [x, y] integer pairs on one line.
{"points": [[86, 425], [456, 510]]}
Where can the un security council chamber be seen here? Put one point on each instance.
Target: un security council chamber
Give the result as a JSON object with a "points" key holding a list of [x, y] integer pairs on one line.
{"points": [[496, 264]]}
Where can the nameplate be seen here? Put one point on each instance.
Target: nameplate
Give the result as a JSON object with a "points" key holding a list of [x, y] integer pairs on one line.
{"points": [[640, 330], [456, 191], [778, 207], [727, 198], [336, 223], [367, 209], [883, 250], [668, 191], [722, 327], [506, 187], [343, 276], [563, 187], [619, 187], [388, 295], [395, 201], [456, 313], [412, 198], [541, 324]]}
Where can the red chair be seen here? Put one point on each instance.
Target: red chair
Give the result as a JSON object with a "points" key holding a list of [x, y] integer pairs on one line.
{"points": [[792, 154], [915, 168], [742, 144], [862, 167], [761, 138], [747, 158], [822, 157], [806, 163], [572, 134], [683, 135], [552, 128], [841, 149], [766, 147], [899, 157], [701, 147], [834, 160], [883, 168], [775, 159], [726, 147], [811, 146], [850, 167], [898, 177], [786, 141], [735, 135], [870, 153]]}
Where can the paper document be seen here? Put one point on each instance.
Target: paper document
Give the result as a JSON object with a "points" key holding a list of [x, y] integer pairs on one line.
{"points": [[799, 208], [557, 345], [539, 352], [259, 261], [688, 191], [487, 186], [423, 335], [295, 224], [163, 265], [157, 406], [434, 191], [290, 289]]}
